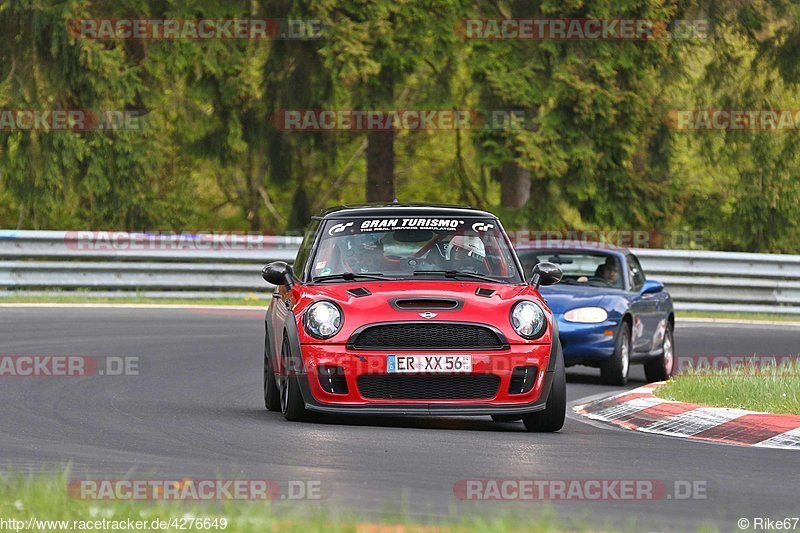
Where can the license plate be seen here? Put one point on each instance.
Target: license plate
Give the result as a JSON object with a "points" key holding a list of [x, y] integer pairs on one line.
{"points": [[416, 364]]}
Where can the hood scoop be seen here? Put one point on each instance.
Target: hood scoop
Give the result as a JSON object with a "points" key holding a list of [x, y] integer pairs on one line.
{"points": [[426, 304], [358, 292], [486, 293]]}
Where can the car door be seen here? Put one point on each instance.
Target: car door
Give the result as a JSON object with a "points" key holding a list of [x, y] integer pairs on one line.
{"points": [[643, 308]]}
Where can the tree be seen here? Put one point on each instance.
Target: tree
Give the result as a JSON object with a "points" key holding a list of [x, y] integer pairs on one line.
{"points": [[373, 48], [590, 107], [111, 178]]}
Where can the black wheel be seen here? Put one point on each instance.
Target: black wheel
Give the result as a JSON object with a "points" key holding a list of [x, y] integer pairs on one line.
{"points": [[615, 370], [506, 418], [552, 418], [272, 400], [293, 406], [661, 368]]}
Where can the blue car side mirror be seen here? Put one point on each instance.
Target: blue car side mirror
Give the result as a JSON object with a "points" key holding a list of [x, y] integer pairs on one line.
{"points": [[652, 286]]}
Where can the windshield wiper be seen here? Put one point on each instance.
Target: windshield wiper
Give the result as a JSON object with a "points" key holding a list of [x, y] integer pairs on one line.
{"points": [[456, 273], [351, 276]]}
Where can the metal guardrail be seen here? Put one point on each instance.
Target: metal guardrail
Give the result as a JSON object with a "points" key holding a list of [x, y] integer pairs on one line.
{"points": [[109, 264], [727, 281]]}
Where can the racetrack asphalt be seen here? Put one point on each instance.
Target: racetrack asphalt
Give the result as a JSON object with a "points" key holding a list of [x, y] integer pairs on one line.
{"points": [[196, 410]]}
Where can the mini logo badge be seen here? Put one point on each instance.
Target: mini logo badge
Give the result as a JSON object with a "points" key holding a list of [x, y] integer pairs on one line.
{"points": [[428, 314]]}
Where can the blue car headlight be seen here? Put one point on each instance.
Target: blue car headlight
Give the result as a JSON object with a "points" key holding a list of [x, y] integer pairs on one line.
{"points": [[586, 315]]}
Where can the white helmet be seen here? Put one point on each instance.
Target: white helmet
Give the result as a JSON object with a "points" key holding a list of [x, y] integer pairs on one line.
{"points": [[471, 245]]}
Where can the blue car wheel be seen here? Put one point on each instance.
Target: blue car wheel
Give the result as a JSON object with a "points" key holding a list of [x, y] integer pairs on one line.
{"points": [[614, 371], [660, 368]]}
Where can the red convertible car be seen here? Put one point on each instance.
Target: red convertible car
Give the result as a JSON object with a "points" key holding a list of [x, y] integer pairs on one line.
{"points": [[412, 310]]}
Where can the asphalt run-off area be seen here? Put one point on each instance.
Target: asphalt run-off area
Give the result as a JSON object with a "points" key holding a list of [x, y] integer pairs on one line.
{"points": [[189, 405]]}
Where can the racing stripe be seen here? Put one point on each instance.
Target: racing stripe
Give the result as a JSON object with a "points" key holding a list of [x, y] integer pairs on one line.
{"points": [[751, 428], [790, 439], [693, 422], [601, 405], [640, 410], [615, 412], [656, 413]]}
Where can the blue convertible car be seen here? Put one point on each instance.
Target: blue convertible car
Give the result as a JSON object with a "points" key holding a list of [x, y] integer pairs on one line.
{"points": [[609, 314]]}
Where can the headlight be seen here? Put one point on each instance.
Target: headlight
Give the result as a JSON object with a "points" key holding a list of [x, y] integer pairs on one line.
{"points": [[586, 315], [528, 319], [323, 319]]}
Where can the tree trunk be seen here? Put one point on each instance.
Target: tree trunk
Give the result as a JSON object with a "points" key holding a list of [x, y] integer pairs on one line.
{"points": [[380, 166], [380, 144], [515, 185], [301, 212], [253, 199]]}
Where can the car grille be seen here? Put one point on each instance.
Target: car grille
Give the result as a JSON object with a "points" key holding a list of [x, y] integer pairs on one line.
{"points": [[442, 336], [450, 387]]}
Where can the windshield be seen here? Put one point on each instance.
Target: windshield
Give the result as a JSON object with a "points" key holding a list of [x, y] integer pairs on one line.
{"points": [[402, 248], [594, 269]]}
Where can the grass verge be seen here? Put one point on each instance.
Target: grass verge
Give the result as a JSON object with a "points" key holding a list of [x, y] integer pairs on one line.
{"points": [[772, 389], [41, 503]]}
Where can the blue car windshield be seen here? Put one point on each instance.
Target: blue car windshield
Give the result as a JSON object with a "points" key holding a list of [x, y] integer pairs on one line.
{"points": [[448, 248], [589, 268]]}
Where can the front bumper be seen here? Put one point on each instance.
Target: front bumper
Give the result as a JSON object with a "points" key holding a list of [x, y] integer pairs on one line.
{"points": [[360, 362], [587, 342]]}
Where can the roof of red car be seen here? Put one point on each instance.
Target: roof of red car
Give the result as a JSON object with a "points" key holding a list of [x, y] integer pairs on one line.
{"points": [[346, 211]]}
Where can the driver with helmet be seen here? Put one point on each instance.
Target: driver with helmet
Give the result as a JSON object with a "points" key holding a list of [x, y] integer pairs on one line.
{"points": [[364, 253], [467, 253]]}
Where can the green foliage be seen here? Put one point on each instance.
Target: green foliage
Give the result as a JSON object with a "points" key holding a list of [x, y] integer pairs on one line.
{"points": [[599, 153], [116, 179]]}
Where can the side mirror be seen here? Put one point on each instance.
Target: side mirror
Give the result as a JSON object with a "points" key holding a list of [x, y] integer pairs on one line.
{"points": [[652, 286], [545, 273], [278, 273]]}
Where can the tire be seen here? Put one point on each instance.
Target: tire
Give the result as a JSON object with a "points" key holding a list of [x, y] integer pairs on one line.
{"points": [[292, 404], [661, 368], [615, 370], [506, 418], [552, 418], [272, 398]]}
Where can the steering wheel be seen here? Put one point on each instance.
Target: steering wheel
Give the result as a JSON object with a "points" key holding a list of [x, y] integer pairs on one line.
{"points": [[604, 281]]}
